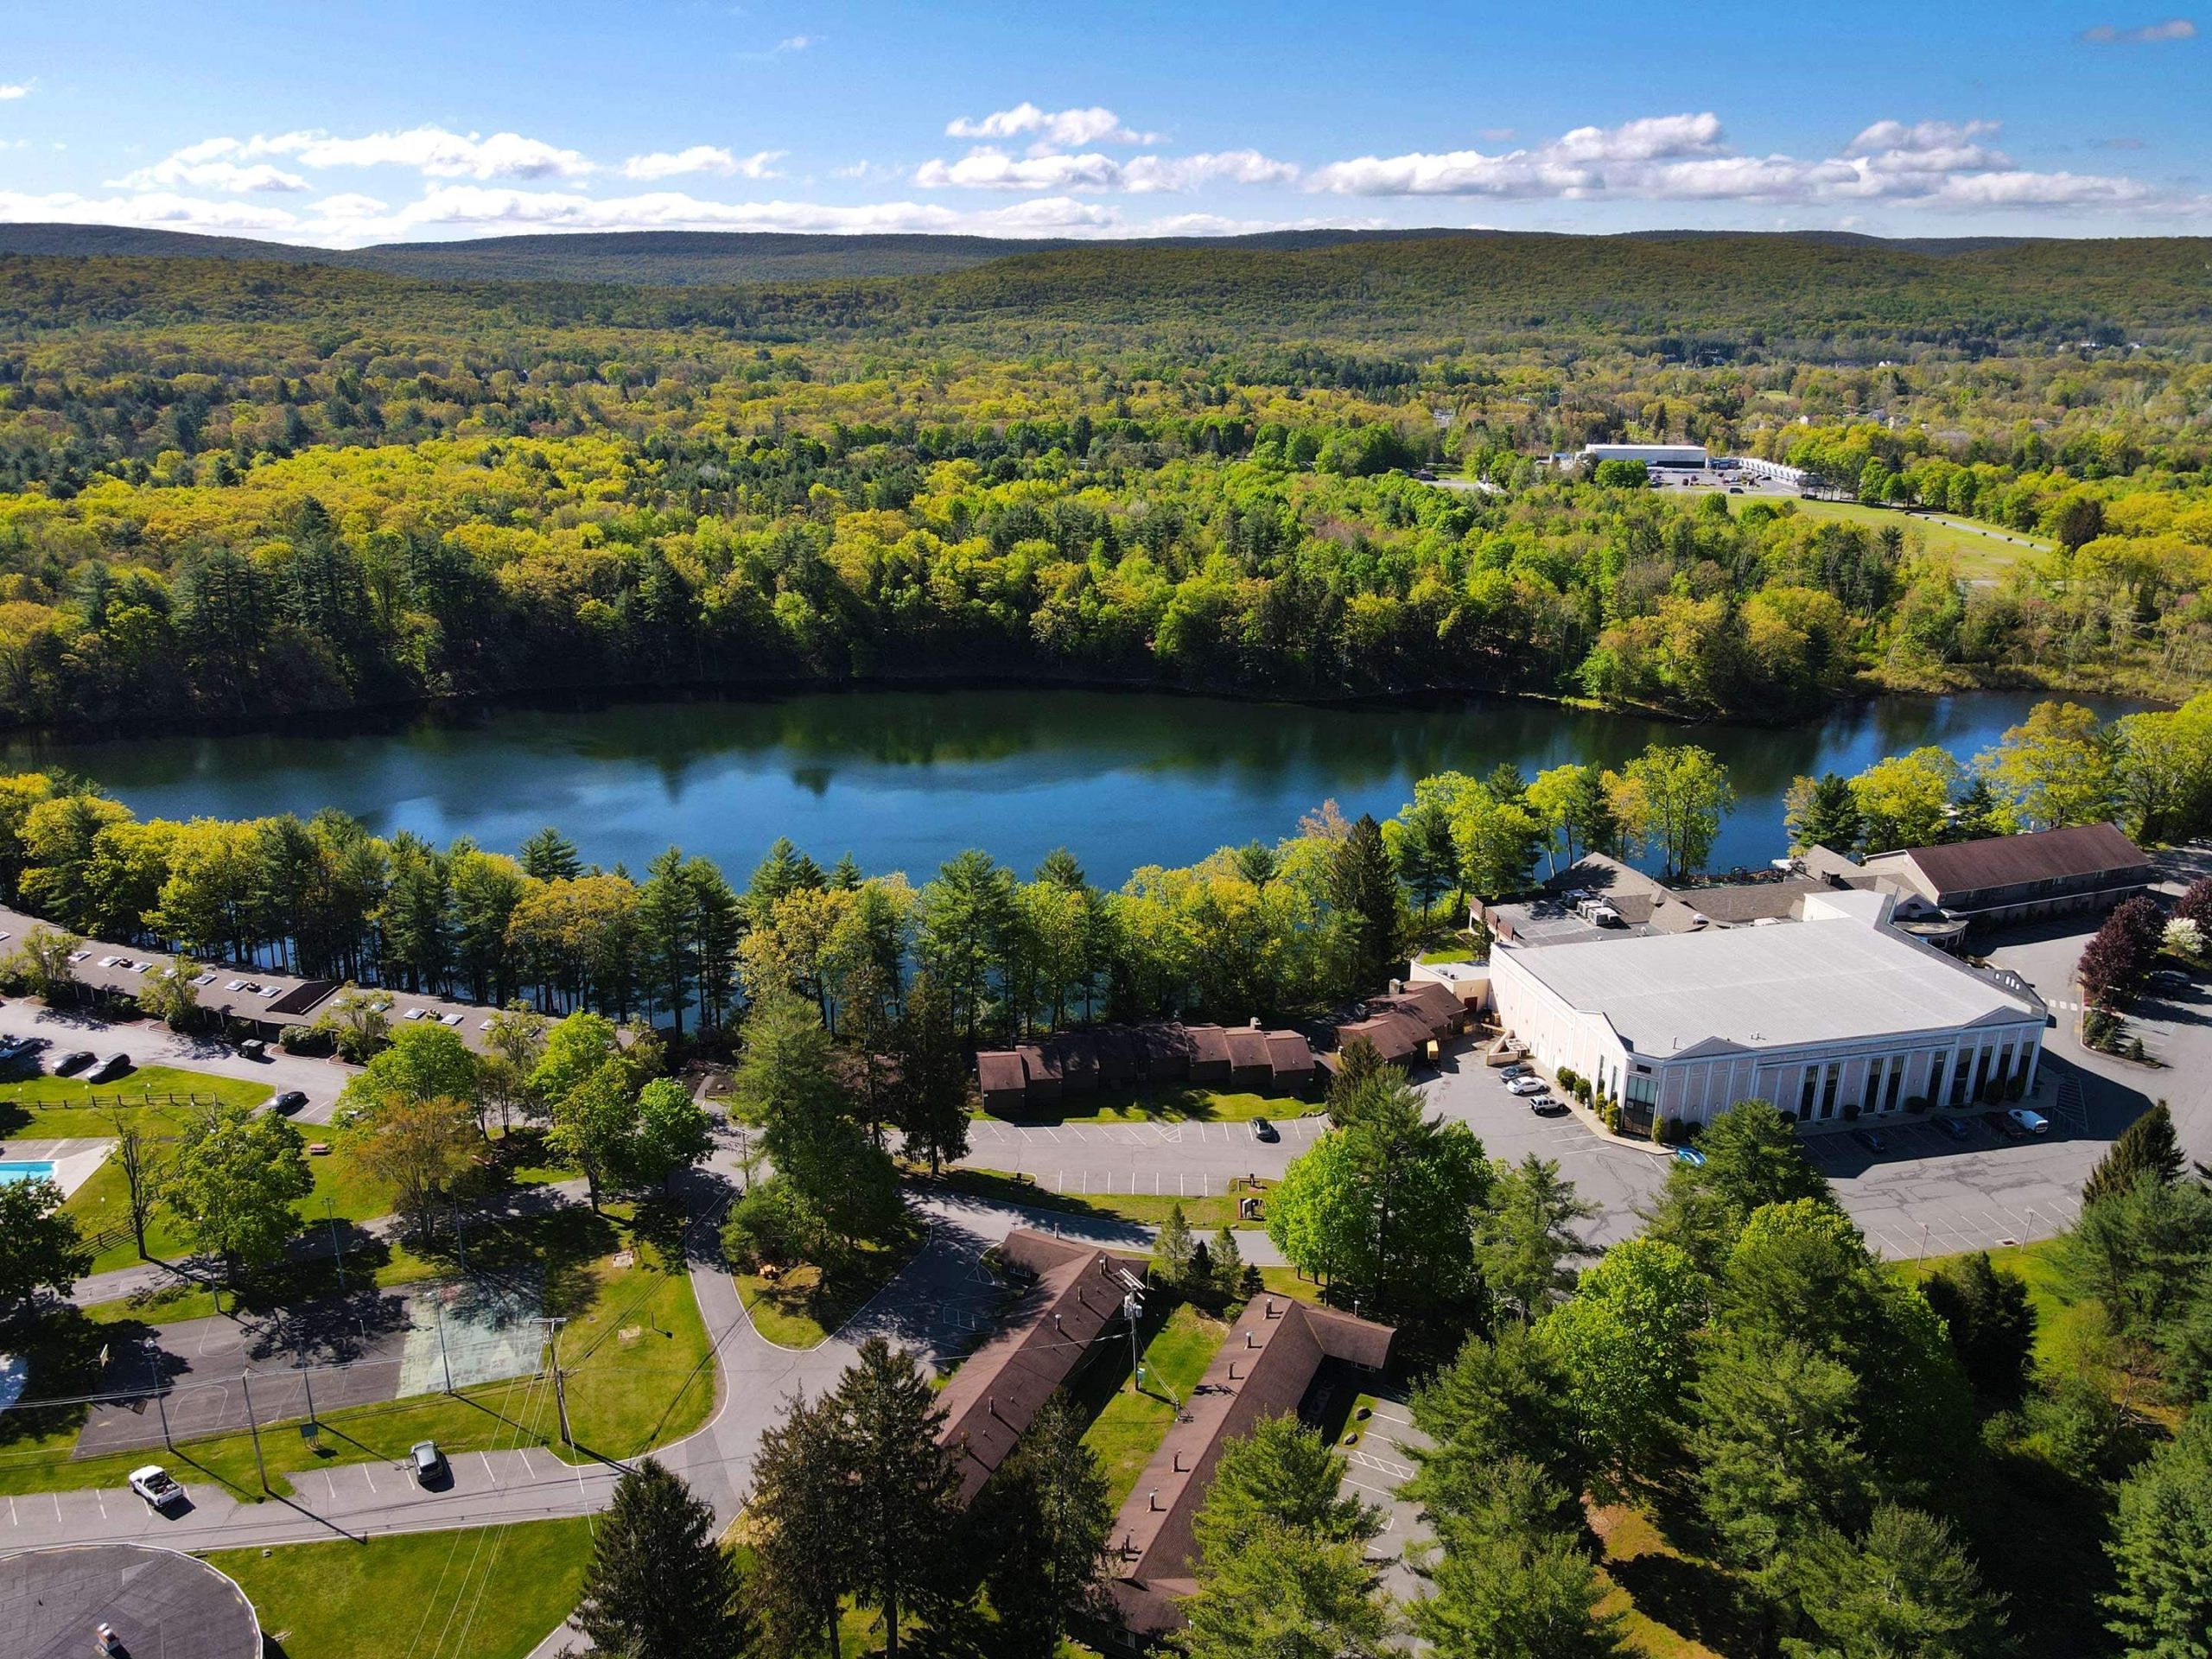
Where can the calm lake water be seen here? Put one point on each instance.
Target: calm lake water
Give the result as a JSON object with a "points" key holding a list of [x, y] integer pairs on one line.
{"points": [[905, 779]]}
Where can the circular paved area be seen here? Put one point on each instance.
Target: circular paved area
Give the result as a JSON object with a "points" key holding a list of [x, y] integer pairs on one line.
{"points": [[163, 1606]]}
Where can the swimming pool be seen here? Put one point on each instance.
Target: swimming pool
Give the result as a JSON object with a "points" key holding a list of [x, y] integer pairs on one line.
{"points": [[25, 1171]]}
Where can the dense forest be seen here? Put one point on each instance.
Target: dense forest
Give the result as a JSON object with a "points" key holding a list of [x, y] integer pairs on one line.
{"points": [[237, 489]]}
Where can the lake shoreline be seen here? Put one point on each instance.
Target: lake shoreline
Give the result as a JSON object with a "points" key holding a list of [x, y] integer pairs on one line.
{"points": [[460, 710]]}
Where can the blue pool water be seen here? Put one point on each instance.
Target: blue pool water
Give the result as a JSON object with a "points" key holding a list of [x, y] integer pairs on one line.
{"points": [[25, 1171]]}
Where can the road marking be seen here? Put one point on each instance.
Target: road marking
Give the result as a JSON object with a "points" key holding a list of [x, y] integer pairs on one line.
{"points": [[13, 1519], [490, 1473], [366, 1475]]}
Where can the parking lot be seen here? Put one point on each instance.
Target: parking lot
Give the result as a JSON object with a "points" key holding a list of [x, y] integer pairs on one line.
{"points": [[1924, 1194]]}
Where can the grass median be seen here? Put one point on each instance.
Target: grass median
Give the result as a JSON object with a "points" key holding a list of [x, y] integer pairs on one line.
{"points": [[1128, 1426], [802, 1307], [490, 1592]]}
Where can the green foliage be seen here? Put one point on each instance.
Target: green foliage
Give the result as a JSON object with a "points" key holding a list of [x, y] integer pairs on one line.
{"points": [[232, 1181], [1525, 1240], [1041, 1528], [1992, 1325], [1511, 1576], [40, 1250], [660, 1585], [1172, 1249], [2148, 1146], [2161, 1550], [1752, 1158], [1623, 1342], [1904, 1587], [1279, 1473]]}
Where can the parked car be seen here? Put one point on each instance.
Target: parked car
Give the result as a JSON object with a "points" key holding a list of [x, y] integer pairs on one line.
{"points": [[109, 1069], [1515, 1070], [153, 1483], [1528, 1085], [287, 1103], [1689, 1155], [1548, 1106], [1264, 1130], [2173, 976], [1873, 1140], [1955, 1127], [75, 1060], [2029, 1122], [429, 1463]]}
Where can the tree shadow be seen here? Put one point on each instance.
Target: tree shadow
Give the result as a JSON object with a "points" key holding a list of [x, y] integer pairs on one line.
{"points": [[1693, 1598]]}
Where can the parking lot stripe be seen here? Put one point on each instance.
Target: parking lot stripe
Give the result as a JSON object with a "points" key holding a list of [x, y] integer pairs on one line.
{"points": [[366, 1475]]}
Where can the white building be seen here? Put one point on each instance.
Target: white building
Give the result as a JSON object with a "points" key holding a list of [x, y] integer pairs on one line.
{"points": [[1776, 471], [1651, 454], [1833, 1010]]}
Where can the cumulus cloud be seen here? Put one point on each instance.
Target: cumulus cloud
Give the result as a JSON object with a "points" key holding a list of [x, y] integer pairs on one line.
{"points": [[1687, 158], [208, 166], [153, 210], [990, 168], [11, 90], [432, 151], [2173, 29], [704, 158], [1066, 129]]}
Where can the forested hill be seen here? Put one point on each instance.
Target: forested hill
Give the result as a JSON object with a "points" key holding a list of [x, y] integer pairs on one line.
{"points": [[1695, 295]]}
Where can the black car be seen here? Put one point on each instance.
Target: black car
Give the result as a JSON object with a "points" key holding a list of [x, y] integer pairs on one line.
{"points": [[2004, 1125], [1872, 1139], [76, 1060], [110, 1069], [287, 1103], [1955, 1127]]}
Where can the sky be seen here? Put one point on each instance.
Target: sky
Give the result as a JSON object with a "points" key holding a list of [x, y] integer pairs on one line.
{"points": [[344, 123]]}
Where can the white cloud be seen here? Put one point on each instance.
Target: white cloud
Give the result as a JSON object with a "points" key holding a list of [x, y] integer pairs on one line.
{"points": [[155, 210], [798, 42], [990, 168], [704, 158], [2173, 29], [1687, 158], [12, 90], [194, 167], [429, 150], [1063, 128]]}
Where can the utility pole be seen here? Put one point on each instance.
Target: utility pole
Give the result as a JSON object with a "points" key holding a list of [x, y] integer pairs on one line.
{"points": [[307, 1381], [459, 1249], [1134, 1308], [560, 1393], [444, 1358], [337, 1246], [245, 1381], [161, 1394]]}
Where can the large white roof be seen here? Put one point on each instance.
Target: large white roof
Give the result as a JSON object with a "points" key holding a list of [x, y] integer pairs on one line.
{"points": [[1784, 986]]}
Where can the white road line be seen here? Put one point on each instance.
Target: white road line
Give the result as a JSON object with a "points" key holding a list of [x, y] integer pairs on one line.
{"points": [[12, 1520], [100, 1498], [366, 1475]]}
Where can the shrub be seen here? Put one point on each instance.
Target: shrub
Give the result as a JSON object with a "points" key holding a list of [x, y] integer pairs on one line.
{"points": [[2015, 1086], [1851, 1111], [305, 1040], [2100, 1028], [1659, 1129], [1915, 1104], [767, 1225], [1569, 1079]]}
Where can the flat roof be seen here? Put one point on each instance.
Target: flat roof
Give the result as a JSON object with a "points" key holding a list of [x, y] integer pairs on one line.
{"points": [[1794, 984], [160, 1603]]}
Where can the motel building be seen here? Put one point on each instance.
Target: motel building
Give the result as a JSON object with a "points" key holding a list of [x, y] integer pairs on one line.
{"points": [[1826, 1008]]}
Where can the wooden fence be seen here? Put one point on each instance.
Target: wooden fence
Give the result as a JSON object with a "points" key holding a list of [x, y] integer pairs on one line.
{"points": [[93, 1101]]}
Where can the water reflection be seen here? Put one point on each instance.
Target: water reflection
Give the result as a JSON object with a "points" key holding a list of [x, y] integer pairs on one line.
{"points": [[904, 778]]}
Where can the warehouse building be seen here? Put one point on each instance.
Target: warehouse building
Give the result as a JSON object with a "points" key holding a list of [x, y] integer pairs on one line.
{"points": [[1651, 454], [1824, 1010]]}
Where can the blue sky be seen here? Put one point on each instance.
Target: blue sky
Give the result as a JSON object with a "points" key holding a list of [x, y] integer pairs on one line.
{"points": [[340, 123]]}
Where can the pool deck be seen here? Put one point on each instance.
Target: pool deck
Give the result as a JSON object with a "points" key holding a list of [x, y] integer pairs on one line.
{"points": [[75, 1161]]}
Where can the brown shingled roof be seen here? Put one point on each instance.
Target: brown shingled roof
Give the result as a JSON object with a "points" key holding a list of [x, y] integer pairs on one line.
{"points": [[1037, 1346], [1263, 1370], [2044, 855], [999, 1072]]}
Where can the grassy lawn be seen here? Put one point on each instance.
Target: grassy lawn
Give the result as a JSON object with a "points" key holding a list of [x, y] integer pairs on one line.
{"points": [[1979, 557], [490, 1592], [1128, 1427], [801, 1309], [35, 1107], [1168, 1106], [1146, 1208], [1670, 1602]]}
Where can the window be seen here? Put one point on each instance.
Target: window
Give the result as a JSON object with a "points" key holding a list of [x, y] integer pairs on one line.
{"points": [[1829, 1088], [1961, 1074], [1874, 1083], [1896, 1080], [1936, 1080], [1805, 1094], [1642, 1090]]}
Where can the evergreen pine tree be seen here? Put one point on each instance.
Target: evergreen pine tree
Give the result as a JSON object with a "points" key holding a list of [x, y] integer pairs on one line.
{"points": [[1044, 1522], [1363, 888], [660, 1585], [900, 1502], [1172, 1250], [797, 1527], [1228, 1262], [2147, 1146]]}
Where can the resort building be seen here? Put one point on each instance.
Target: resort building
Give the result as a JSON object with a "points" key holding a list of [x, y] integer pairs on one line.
{"points": [[2018, 878], [1824, 1009]]}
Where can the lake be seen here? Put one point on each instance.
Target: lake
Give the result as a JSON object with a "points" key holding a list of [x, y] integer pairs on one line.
{"points": [[903, 778]]}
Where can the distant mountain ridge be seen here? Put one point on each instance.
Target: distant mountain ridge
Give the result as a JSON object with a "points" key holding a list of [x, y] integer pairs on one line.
{"points": [[689, 259]]}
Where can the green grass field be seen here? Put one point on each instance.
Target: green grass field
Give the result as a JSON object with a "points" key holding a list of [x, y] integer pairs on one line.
{"points": [[1165, 1106], [35, 1107], [801, 1309], [1978, 552], [1128, 1427], [488, 1592]]}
